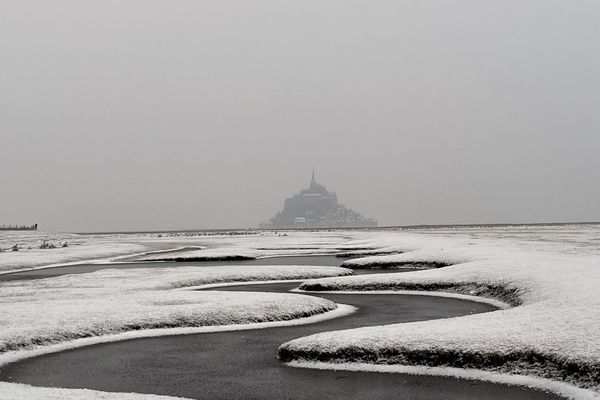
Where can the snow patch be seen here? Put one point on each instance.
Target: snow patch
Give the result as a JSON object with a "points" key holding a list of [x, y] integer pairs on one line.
{"points": [[560, 388], [16, 391], [553, 332], [47, 311], [493, 302], [341, 310]]}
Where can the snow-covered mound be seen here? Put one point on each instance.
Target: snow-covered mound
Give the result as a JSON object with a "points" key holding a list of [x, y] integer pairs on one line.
{"points": [[46, 311], [553, 332]]}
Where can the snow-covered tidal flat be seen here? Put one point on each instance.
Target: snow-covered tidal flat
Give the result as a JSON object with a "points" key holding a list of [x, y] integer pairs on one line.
{"points": [[549, 274]]}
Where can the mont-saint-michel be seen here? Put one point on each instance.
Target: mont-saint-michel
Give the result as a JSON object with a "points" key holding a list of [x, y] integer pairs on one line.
{"points": [[317, 207], [142, 147]]}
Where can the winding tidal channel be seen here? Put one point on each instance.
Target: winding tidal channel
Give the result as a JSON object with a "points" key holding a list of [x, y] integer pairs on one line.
{"points": [[243, 364]]}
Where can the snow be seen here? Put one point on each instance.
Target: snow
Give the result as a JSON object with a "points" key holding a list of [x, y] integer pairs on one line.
{"points": [[46, 311], [560, 388], [18, 391], [208, 254], [555, 274], [157, 246], [50, 315], [551, 274], [493, 302], [80, 248], [14, 391], [261, 245], [12, 356]]}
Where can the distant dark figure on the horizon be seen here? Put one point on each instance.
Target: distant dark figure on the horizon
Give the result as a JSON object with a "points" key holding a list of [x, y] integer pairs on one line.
{"points": [[33, 227]]}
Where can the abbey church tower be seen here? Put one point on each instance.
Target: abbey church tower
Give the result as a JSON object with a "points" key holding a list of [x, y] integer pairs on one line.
{"points": [[316, 207]]}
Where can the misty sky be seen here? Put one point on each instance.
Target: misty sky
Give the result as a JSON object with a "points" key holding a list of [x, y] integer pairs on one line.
{"points": [[123, 115]]}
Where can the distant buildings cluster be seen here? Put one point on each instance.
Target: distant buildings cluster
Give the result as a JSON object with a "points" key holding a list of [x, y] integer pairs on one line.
{"points": [[316, 207]]}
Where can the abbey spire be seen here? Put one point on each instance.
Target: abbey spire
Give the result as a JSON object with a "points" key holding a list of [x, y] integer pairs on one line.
{"points": [[316, 207]]}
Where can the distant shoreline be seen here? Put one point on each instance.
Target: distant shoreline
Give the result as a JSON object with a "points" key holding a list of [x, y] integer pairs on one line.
{"points": [[387, 227]]}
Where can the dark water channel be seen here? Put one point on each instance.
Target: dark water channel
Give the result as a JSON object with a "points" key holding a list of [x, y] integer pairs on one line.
{"points": [[243, 364]]}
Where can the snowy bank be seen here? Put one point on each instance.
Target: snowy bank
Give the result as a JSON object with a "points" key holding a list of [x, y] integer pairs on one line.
{"points": [[552, 332], [549, 274], [560, 388], [47, 311], [34, 258], [190, 246], [265, 244], [14, 391]]}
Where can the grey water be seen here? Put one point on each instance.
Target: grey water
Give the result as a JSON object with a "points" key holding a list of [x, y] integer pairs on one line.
{"points": [[320, 260]]}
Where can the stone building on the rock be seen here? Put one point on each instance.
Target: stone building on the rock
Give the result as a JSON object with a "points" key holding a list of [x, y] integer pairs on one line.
{"points": [[316, 207]]}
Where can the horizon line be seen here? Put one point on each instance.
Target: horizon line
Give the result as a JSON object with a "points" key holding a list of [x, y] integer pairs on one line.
{"points": [[384, 227]]}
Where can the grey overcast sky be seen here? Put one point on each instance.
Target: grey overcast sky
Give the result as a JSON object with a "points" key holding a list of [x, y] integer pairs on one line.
{"points": [[145, 114]]}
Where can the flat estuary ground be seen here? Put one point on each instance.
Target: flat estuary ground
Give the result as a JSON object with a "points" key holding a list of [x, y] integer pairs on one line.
{"points": [[243, 364], [321, 260], [551, 270]]}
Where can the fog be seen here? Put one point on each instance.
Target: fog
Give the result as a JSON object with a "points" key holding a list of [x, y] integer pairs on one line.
{"points": [[145, 115]]}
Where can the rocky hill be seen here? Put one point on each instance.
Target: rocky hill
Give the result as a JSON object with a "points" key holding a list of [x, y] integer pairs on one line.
{"points": [[316, 207]]}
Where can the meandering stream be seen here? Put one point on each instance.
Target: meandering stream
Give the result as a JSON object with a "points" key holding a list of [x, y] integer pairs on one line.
{"points": [[243, 364]]}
